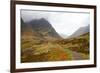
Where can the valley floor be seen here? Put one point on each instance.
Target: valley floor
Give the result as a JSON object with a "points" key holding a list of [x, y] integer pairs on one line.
{"points": [[59, 50]]}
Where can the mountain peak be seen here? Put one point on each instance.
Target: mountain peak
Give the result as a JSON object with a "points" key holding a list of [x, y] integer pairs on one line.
{"points": [[43, 27]]}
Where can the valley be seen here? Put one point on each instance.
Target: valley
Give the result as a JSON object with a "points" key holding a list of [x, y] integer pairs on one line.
{"points": [[41, 43]]}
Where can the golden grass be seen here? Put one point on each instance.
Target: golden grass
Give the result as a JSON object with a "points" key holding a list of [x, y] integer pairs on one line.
{"points": [[33, 50]]}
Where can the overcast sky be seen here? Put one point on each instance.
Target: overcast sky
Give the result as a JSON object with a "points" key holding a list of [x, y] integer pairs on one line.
{"points": [[65, 23]]}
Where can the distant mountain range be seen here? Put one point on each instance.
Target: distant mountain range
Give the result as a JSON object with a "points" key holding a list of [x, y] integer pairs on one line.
{"points": [[80, 31], [42, 28]]}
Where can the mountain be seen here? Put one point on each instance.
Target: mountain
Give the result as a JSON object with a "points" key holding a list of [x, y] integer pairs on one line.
{"points": [[80, 31], [29, 33], [43, 27], [36, 38]]}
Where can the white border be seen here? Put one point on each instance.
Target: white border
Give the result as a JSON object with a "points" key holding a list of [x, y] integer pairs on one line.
{"points": [[20, 65]]}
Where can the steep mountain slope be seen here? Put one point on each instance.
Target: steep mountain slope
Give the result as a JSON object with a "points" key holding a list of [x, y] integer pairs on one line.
{"points": [[43, 27]]}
